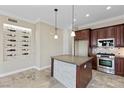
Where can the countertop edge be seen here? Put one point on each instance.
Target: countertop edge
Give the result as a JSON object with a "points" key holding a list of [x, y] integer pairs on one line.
{"points": [[71, 62], [65, 61]]}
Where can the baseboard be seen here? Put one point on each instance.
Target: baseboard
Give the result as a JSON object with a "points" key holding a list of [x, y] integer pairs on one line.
{"points": [[17, 71], [21, 70], [42, 67]]}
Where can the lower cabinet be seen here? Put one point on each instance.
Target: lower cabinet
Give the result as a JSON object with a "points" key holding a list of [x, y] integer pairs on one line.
{"points": [[84, 74], [94, 63], [119, 66]]}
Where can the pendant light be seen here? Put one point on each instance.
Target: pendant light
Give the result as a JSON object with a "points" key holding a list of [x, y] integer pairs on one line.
{"points": [[73, 32], [55, 35]]}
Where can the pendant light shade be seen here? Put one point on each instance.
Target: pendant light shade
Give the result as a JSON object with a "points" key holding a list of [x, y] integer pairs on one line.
{"points": [[73, 32], [55, 35]]}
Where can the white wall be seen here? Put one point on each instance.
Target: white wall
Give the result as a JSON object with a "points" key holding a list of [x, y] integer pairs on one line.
{"points": [[66, 42], [37, 45], [16, 64], [46, 45]]}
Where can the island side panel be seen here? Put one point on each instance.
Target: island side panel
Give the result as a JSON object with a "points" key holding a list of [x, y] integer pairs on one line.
{"points": [[65, 73], [84, 74], [52, 66]]}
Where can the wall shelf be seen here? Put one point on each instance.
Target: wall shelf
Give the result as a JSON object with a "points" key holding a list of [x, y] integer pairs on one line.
{"points": [[17, 41]]}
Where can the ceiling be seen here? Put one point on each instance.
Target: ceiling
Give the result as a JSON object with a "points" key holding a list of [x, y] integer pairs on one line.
{"points": [[45, 13]]}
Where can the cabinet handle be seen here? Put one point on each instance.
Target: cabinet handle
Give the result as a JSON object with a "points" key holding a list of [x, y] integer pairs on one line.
{"points": [[85, 66]]}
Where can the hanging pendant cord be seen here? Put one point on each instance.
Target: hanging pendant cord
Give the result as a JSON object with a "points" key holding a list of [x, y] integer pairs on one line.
{"points": [[56, 20], [72, 17]]}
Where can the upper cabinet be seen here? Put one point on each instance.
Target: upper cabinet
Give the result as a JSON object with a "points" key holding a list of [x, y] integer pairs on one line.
{"points": [[102, 33], [116, 32], [82, 34], [77, 35], [94, 34], [119, 36], [107, 32], [110, 32]]}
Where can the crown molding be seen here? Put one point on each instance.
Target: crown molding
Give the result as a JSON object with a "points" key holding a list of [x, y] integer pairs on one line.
{"points": [[91, 25], [2, 13], [45, 22]]}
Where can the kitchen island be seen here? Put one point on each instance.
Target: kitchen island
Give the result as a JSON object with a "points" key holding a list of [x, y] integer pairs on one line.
{"points": [[72, 71]]}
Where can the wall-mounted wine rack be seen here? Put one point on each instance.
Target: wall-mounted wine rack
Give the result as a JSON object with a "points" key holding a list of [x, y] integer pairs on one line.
{"points": [[17, 41]]}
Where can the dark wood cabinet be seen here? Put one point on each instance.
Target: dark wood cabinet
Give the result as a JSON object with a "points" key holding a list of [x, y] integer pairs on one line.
{"points": [[116, 32], [83, 71], [102, 33], [94, 38], [119, 36], [84, 74], [110, 32], [82, 34], [78, 35], [119, 66], [85, 35], [94, 62]]}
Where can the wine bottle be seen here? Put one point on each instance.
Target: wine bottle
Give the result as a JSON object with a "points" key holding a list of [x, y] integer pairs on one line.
{"points": [[11, 50], [25, 45], [12, 40], [25, 36], [25, 53], [12, 30]]}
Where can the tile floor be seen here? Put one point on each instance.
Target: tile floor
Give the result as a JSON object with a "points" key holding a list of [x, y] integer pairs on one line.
{"points": [[41, 79]]}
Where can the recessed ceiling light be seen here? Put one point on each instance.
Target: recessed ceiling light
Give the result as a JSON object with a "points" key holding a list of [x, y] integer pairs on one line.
{"points": [[87, 15], [75, 19], [108, 7]]}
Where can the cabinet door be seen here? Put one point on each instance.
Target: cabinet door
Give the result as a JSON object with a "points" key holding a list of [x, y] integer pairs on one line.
{"points": [[85, 35], [82, 35], [94, 38], [94, 63], [78, 35], [119, 66], [110, 32], [119, 36], [83, 74], [102, 33]]}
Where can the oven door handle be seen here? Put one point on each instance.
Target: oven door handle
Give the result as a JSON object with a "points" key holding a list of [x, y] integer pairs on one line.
{"points": [[105, 58]]}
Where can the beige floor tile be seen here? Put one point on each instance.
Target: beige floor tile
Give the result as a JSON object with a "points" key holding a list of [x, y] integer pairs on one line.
{"points": [[42, 79]]}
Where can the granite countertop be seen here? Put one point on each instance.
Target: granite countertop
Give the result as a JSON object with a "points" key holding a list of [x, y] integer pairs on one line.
{"points": [[78, 60]]}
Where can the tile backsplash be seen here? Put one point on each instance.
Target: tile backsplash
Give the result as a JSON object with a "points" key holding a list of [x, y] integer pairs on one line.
{"points": [[116, 51]]}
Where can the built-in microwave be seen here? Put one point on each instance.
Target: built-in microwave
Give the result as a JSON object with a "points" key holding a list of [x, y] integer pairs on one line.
{"points": [[109, 42]]}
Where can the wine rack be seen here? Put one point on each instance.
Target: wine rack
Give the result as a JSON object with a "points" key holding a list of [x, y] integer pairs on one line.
{"points": [[17, 41]]}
